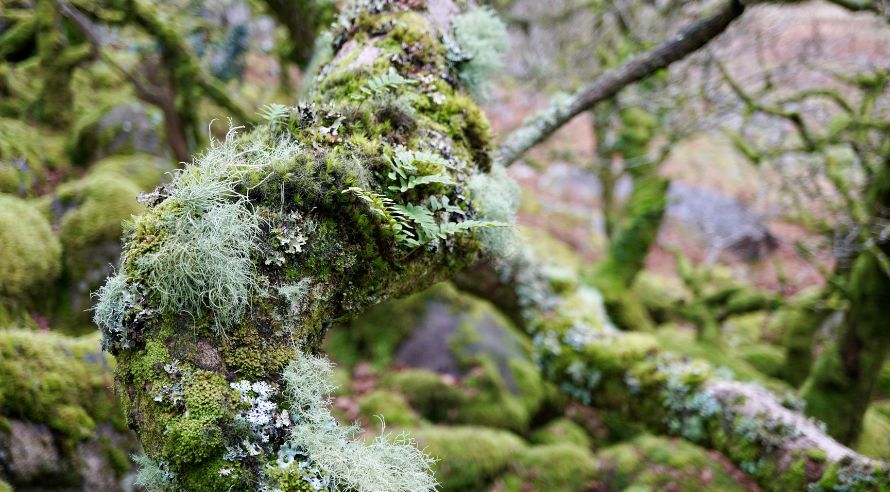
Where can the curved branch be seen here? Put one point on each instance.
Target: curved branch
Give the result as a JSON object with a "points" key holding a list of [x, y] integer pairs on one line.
{"points": [[609, 84], [580, 351]]}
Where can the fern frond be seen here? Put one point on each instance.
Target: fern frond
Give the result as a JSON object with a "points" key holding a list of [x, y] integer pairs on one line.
{"points": [[387, 210], [274, 113], [414, 181], [382, 83]]}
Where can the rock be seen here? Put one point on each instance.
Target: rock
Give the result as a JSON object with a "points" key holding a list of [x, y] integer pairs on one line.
{"points": [[61, 426], [127, 128], [722, 222]]}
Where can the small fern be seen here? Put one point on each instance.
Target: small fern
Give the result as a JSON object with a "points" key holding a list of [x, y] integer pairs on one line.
{"points": [[413, 181], [387, 210], [274, 113], [382, 83]]}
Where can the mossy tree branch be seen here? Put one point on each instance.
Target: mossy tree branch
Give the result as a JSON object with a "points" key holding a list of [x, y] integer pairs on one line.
{"points": [[595, 363]]}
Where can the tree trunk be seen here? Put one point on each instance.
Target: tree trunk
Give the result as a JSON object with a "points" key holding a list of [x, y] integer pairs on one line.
{"points": [[249, 254], [840, 387]]}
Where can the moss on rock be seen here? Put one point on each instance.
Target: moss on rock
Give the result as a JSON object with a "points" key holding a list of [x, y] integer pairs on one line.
{"points": [[389, 407], [564, 467], [653, 463], [62, 422], [561, 431], [470, 458], [29, 257]]}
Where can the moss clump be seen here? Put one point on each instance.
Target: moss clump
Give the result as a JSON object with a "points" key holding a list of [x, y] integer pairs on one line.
{"points": [[387, 405], [470, 458], [563, 467], [88, 214], [767, 359], [29, 253], [875, 438], [26, 153], [144, 170], [429, 393], [65, 383], [650, 462], [559, 431]]}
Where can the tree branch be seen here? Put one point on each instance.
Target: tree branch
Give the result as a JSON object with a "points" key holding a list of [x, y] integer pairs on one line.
{"points": [[580, 351], [609, 84]]}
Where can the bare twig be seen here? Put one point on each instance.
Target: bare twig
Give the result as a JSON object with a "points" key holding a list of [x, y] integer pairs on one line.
{"points": [[610, 83]]}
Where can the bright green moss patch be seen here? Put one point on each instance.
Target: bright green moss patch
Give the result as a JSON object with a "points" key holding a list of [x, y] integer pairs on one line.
{"points": [[427, 392], [470, 458], [653, 463], [63, 382], [29, 252], [388, 406], [562, 431], [563, 467], [875, 438]]}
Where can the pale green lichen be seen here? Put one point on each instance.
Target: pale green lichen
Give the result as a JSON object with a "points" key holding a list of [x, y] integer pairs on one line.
{"points": [[154, 476], [482, 40], [384, 465], [497, 198], [203, 260], [115, 299]]}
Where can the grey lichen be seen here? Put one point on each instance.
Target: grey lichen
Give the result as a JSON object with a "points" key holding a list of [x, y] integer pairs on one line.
{"points": [[482, 42]]}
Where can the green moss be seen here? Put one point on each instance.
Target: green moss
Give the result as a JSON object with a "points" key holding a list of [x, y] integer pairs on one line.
{"points": [[672, 339], [564, 467], [26, 154], [144, 170], [63, 382], [653, 463], [875, 438], [470, 458], [29, 253], [5, 487], [388, 405], [560, 431], [767, 359], [427, 392]]}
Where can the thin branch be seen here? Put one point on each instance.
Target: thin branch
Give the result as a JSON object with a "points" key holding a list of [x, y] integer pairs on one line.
{"points": [[609, 84]]}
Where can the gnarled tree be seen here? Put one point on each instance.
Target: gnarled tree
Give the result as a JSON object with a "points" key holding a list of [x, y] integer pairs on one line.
{"points": [[379, 185]]}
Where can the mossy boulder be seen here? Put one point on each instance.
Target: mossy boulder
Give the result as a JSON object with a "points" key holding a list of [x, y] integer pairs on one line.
{"points": [[433, 395], [490, 377], [116, 129], [564, 467], [29, 258], [144, 170], [384, 406], [768, 359], [562, 431], [470, 458], [88, 214], [61, 426], [653, 463], [26, 154]]}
